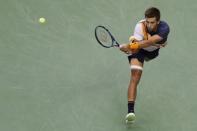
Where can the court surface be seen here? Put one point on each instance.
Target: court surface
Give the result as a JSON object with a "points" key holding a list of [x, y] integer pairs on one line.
{"points": [[55, 77]]}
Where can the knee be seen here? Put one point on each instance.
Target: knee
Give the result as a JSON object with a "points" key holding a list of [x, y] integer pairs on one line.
{"points": [[135, 79], [136, 75]]}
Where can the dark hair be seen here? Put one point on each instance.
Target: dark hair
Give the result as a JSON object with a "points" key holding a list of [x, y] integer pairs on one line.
{"points": [[152, 12]]}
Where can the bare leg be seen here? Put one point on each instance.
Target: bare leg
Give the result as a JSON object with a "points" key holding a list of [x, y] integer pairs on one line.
{"points": [[136, 73]]}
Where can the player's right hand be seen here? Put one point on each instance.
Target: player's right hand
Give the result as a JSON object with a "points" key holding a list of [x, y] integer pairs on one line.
{"points": [[125, 48]]}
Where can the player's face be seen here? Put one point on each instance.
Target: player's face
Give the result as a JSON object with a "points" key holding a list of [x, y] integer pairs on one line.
{"points": [[151, 24]]}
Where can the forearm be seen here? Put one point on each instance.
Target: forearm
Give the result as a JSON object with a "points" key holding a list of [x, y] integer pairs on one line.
{"points": [[140, 44], [145, 43]]}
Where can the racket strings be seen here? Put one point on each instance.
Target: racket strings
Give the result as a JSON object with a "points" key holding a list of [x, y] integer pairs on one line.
{"points": [[104, 37]]}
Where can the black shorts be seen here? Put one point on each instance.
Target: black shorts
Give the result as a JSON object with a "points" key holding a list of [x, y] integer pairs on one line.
{"points": [[142, 55]]}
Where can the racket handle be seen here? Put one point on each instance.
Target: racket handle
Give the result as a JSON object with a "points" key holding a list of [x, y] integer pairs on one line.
{"points": [[120, 46]]}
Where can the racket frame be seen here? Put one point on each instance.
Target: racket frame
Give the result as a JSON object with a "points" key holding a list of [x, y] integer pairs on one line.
{"points": [[114, 42]]}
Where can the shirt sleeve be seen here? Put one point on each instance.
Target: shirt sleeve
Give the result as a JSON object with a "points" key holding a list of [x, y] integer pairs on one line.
{"points": [[138, 32], [164, 31]]}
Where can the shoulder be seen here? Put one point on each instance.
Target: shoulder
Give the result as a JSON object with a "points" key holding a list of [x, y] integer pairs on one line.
{"points": [[138, 32], [139, 25], [163, 29]]}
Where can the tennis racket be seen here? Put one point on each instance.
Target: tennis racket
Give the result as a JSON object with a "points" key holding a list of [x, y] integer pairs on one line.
{"points": [[105, 38]]}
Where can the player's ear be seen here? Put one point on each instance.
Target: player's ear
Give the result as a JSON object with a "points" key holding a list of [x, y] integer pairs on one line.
{"points": [[158, 22]]}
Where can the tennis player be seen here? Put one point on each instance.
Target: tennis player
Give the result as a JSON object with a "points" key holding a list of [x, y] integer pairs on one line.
{"points": [[150, 34]]}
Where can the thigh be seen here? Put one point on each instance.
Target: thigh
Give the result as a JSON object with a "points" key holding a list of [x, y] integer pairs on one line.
{"points": [[136, 70], [151, 55], [136, 62], [139, 56]]}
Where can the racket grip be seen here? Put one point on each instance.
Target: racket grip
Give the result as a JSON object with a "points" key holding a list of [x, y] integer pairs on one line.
{"points": [[120, 46]]}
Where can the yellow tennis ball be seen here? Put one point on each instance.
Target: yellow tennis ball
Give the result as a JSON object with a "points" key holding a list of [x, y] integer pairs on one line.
{"points": [[42, 20]]}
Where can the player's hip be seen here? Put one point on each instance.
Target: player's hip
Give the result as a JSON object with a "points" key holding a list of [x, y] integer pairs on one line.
{"points": [[142, 55]]}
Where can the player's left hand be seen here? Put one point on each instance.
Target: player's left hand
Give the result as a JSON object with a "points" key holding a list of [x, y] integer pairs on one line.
{"points": [[125, 48]]}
